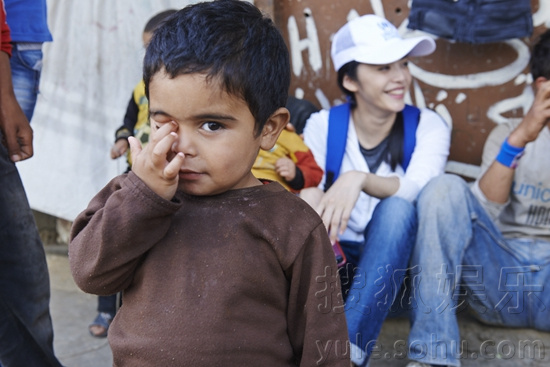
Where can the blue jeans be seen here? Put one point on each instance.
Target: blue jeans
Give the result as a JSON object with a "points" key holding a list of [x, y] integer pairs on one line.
{"points": [[26, 67], [375, 272], [107, 304], [26, 333], [466, 262]]}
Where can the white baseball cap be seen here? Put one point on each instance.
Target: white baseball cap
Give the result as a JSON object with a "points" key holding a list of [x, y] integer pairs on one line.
{"points": [[370, 39]]}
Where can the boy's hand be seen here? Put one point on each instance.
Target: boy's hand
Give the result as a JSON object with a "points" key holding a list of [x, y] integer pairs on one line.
{"points": [[152, 165], [535, 120], [285, 168], [119, 148]]}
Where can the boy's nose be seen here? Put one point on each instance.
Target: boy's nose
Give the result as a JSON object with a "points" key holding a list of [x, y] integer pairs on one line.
{"points": [[184, 143]]}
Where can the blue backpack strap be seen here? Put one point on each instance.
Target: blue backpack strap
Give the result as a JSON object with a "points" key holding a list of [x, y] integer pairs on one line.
{"points": [[411, 118], [338, 122]]}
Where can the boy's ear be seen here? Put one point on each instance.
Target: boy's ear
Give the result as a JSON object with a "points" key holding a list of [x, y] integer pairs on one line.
{"points": [[273, 127]]}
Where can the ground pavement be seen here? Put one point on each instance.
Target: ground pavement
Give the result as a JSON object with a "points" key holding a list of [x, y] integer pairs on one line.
{"points": [[72, 310]]}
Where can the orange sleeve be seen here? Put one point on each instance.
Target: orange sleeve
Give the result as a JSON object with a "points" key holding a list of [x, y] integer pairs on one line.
{"points": [[303, 158], [310, 169]]}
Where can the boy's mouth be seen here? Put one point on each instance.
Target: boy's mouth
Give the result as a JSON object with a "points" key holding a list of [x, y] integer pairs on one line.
{"points": [[186, 174]]}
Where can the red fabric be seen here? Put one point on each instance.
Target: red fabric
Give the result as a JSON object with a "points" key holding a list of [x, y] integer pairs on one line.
{"points": [[5, 39]]}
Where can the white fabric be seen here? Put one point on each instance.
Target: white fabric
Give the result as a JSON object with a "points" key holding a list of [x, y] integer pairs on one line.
{"points": [[89, 71], [370, 39], [428, 160]]}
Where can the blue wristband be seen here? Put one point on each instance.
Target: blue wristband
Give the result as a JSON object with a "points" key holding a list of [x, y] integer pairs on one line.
{"points": [[509, 155]]}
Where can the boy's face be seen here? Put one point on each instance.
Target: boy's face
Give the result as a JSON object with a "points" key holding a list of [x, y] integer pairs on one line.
{"points": [[215, 132]]}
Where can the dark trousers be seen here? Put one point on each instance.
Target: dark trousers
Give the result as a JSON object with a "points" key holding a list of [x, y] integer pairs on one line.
{"points": [[26, 332]]}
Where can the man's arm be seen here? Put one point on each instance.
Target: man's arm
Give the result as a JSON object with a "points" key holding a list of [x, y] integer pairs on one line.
{"points": [[16, 130], [496, 182]]}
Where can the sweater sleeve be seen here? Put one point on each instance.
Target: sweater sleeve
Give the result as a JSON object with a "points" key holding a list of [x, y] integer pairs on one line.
{"points": [[130, 120], [122, 222], [131, 116], [433, 139], [5, 38], [316, 319]]}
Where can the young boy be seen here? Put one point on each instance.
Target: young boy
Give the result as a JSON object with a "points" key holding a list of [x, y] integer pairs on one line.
{"points": [[216, 267]]}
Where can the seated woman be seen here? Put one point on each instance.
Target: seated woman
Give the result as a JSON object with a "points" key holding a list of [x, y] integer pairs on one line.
{"points": [[390, 151]]}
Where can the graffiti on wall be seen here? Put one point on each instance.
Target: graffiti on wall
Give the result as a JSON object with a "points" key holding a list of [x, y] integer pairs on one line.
{"points": [[473, 87]]}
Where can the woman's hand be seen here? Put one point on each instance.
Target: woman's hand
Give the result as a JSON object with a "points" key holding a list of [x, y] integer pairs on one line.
{"points": [[337, 203]]}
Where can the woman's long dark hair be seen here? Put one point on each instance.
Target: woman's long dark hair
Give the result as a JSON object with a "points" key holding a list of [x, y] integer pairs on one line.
{"points": [[394, 152]]}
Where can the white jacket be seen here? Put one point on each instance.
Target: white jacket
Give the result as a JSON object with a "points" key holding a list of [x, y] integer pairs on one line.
{"points": [[428, 160]]}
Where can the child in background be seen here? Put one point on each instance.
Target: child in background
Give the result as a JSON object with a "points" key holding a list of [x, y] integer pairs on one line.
{"points": [[216, 268], [136, 119], [136, 123], [290, 162]]}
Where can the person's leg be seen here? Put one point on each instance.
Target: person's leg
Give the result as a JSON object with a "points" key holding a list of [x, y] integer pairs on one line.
{"points": [[26, 332], [106, 308], [451, 223], [381, 269], [26, 66], [534, 288], [514, 277], [107, 304]]}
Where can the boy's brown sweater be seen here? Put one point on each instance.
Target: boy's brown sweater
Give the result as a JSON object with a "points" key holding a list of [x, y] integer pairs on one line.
{"points": [[244, 278]]}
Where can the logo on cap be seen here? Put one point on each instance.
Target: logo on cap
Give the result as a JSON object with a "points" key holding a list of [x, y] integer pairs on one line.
{"points": [[388, 30]]}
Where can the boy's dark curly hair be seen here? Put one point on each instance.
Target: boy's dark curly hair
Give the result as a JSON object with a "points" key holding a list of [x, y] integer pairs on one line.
{"points": [[230, 41]]}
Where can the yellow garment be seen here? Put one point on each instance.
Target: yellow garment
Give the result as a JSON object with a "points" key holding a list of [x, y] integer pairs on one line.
{"points": [[292, 146], [142, 129]]}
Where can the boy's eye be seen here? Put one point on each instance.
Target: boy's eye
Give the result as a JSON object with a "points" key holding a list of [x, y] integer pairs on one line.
{"points": [[158, 125], [211, 126]]}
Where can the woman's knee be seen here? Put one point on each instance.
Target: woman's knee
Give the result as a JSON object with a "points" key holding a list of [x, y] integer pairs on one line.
{"points": [[395, 217], [395, 207], [395, 210]]}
